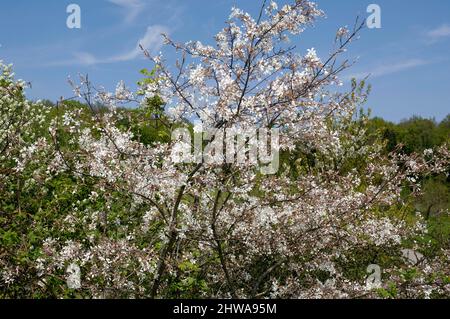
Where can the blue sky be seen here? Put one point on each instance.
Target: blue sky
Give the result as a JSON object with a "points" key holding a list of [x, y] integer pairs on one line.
{"points": [[408, 58]]}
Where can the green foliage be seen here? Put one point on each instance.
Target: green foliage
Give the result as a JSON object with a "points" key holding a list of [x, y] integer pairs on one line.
{"points": [[415, 134]]}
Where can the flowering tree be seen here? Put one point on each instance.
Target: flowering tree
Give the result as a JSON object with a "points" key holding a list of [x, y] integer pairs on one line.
{"points": [[150, 226], [24, 155]]}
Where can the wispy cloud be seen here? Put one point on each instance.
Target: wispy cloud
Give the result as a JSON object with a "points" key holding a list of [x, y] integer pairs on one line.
{"points": [[83, 58], [388, 69], [132, 8], [151, 41], [441, 32]]}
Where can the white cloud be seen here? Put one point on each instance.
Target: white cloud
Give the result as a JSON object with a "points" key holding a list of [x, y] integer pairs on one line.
{"points": [[85, 58], [387, 69], [151, 41], [441, 32], [132, 8]]}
